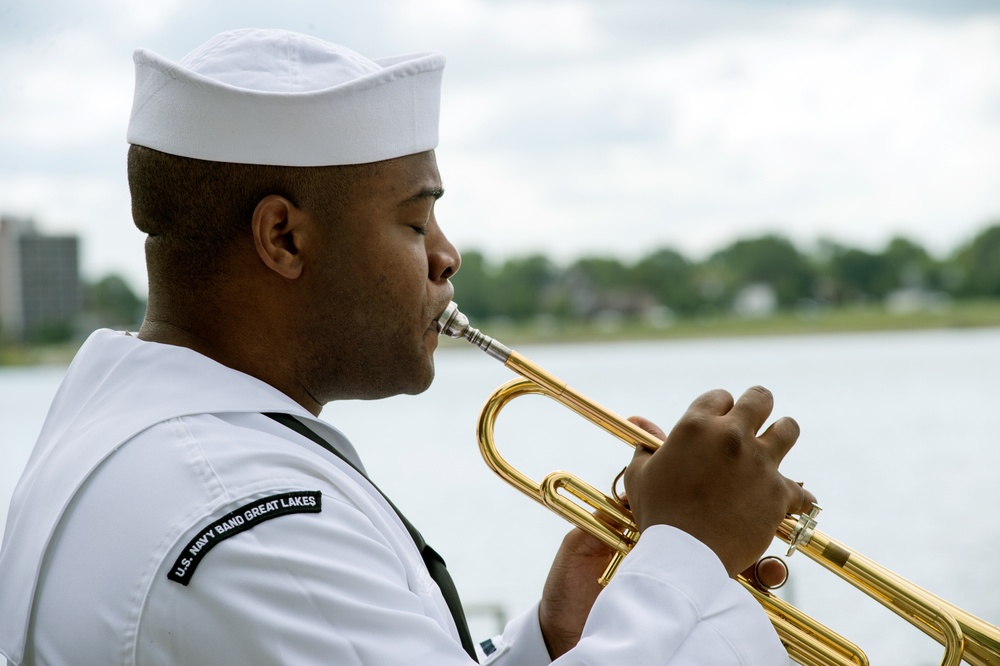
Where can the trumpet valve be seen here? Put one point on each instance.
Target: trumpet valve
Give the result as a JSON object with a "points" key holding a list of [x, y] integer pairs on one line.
{"points": [[770, 573], [804, 528]]}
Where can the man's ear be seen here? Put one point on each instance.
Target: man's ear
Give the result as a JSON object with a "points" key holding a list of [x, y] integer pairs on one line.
{"points": [[278, 232]]}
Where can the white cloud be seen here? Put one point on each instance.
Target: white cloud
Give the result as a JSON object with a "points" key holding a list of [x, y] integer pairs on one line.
{"points": [[823, 122], [572, 126], [526, 28], [132, 17], [66, 96]]}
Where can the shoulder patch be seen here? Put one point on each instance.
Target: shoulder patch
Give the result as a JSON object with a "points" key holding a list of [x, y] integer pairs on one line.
{"points": [[240, 520]]}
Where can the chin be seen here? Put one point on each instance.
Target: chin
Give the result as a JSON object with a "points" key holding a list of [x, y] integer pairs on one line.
{"points": [[422, 384], [413, 382]]}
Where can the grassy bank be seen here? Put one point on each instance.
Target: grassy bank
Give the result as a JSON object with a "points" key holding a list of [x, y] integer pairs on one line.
{"points": [[23, 354], [973, 314], [977, 314]]}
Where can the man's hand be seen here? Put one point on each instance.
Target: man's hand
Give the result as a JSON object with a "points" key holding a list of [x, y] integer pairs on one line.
{"points": [[716, 479], [570, 590]]}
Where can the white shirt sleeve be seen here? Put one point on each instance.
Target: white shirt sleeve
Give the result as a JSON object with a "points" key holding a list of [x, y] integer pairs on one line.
{"points": [[671, 602]]}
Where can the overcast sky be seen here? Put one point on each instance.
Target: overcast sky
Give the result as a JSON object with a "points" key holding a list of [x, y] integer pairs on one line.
{"points": [[572, 127]]}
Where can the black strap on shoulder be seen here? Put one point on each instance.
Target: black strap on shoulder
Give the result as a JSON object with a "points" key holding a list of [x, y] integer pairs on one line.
{"points": [[434, 562]]}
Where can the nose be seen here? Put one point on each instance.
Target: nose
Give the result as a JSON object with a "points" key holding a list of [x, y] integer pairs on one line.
{"points": [[443, 259]]}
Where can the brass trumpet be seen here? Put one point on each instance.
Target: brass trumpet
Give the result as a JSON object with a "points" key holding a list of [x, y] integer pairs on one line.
{"points": [[807, 641]]}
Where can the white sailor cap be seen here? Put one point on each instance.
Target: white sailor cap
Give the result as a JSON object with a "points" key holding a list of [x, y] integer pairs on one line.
{"points": [[282, 98]]}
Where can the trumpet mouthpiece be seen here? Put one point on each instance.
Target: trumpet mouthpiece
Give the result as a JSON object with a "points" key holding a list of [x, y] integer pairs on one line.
{"points": [[451, 322], [454, 324]]}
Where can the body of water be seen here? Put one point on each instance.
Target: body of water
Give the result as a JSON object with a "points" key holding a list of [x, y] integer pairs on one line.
{"points": [[900, 442]]}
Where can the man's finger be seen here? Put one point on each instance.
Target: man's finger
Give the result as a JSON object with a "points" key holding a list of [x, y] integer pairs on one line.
{"points": [[717, 401], [806, 500], [753, 407], [800, 500], [640, 455], [648, 426], [780, 436]]}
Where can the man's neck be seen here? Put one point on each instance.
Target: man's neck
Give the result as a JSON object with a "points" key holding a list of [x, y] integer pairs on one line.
{"points": [[233, 354]]}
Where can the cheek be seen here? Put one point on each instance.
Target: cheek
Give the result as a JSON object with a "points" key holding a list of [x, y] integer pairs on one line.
{"points": [[407, 269], [387, 265], [398, 281]]}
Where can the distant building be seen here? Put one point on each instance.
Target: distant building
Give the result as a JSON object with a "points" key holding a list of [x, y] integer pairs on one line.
{"points": [[40, 290], [756, 301]]}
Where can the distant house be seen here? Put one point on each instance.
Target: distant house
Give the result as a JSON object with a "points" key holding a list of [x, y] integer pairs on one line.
{"points": [[755, 301], [41, 294]]}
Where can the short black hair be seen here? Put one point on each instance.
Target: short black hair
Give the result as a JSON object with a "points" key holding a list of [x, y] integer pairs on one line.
{"points": [[196, 212]]}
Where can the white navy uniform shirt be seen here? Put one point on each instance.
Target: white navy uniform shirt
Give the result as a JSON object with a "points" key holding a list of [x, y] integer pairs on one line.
{"points": [[163, 519]]}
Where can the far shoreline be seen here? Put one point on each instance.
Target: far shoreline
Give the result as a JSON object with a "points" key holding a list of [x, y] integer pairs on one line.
{"points": [[545, 330], [856, 319]]}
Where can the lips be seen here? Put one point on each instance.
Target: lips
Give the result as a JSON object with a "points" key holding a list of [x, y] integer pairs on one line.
{"points": [[450, 291]]}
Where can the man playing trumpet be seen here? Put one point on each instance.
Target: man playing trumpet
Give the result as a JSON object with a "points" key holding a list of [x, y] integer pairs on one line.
{"points": [[185, 504]]}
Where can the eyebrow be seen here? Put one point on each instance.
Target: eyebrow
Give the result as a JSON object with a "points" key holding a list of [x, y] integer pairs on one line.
{"points": [[425, 193]]}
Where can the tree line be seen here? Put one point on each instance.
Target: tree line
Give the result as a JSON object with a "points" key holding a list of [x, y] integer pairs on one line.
{"points": [[766, 273], [762, 275]]}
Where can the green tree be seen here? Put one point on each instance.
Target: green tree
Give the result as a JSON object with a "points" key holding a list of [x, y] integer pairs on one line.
{"points": [[908, 264], [474, 284], [600, 273], [592, 284], [523, 287], [857, 275], [979, 263], [670, 277], [112, 302], [769, 259]]}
